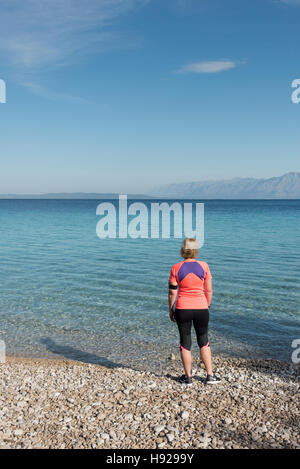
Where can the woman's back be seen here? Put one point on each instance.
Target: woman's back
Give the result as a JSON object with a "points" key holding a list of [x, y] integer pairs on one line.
{"points": [[191, 276]]}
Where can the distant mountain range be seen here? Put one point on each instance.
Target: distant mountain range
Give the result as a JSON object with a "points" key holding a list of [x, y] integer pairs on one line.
{"points": [[283, 187]]}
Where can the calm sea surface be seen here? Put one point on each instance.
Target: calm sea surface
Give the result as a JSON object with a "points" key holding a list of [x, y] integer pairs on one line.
{"points": [[67, 293]]}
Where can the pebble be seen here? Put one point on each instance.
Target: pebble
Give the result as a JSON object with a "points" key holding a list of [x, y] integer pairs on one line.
{"points": [[170, 437], [159, 428]]}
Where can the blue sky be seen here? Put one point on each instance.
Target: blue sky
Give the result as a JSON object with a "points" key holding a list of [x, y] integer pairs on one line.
{"points": [[126, 95]]}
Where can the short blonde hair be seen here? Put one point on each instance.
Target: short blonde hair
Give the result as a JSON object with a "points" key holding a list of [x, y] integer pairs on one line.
{"points": [[189, 248]]}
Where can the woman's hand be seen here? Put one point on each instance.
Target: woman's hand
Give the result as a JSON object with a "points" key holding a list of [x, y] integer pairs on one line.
{"points": [[172, 315]]}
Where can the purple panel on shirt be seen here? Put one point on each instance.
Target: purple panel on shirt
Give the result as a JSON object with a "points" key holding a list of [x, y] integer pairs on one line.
{"points": [[190, 268]]}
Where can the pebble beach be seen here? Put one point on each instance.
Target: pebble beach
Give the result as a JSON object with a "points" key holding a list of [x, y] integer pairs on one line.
{"points": [[69, 404]]}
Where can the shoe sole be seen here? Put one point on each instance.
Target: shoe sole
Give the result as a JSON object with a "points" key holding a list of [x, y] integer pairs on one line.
{"points": [[213, 382]]}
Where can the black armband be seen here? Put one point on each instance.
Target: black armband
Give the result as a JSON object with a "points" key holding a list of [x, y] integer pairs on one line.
{"points": [[172, 287]]}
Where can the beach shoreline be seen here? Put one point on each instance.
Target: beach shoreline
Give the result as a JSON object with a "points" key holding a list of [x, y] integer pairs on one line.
{"points": [[48, 403]]}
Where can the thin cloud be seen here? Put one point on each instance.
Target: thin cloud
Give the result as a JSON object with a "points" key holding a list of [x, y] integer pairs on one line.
{"points": [[44, 92], [37, 35], [208, 67], [291, 2], [39, 32]]}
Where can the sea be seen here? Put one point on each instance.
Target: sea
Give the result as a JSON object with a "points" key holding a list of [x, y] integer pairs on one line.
{"points": [[66, 293]]}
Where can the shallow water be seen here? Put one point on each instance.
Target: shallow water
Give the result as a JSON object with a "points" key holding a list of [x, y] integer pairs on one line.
{"points": [[66, 293]]}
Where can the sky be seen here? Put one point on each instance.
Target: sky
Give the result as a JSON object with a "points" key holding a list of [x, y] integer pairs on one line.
{"points": [[128, 95]]}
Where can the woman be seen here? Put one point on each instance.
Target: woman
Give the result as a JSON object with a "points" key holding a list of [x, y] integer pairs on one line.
{"points": [[194, 280]]}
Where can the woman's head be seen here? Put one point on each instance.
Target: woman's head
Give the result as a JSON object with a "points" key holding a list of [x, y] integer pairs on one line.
{"points": [[189, 248]]}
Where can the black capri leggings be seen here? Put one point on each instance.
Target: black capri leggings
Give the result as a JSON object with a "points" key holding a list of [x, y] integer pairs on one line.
{"points": [[199, 318]]}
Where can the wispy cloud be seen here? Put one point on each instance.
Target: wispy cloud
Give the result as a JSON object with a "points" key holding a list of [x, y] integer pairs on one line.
{"points": [[39, 32], [215, 66], [291, 2], [36, 35], [44, 92]]}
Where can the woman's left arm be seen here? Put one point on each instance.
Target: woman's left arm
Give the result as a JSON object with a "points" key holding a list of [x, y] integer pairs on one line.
{"points": [[208, 290], [172, 299]]}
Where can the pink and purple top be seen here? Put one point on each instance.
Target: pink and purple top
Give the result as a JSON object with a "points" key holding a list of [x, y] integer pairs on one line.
{"points": [[191, 276]]}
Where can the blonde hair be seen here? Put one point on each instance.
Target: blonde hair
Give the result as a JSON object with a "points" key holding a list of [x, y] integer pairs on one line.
{"points": [[189, 248]]}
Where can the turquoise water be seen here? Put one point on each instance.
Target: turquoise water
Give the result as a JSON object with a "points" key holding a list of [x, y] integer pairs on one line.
{"points": [[67, 293]]}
